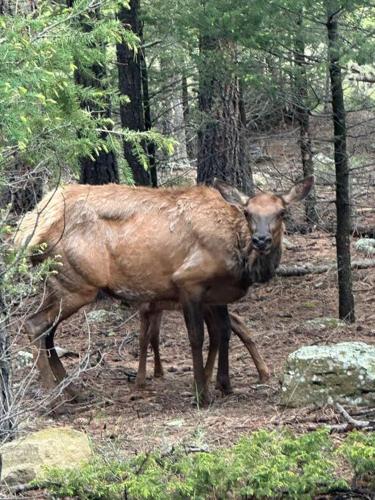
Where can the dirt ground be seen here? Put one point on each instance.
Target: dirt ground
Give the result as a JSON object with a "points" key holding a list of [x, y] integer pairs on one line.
{"points": [[122, 420]]}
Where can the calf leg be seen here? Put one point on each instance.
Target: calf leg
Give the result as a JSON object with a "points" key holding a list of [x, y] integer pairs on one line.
{"points": [[155, 337], [214, 336], [224, 328], [193, 314], [239, 328], [150, 327]]}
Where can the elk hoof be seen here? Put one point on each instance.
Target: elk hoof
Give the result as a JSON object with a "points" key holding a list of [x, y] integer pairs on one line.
{"points": [[202, 399], [158, 373], [139, 385], [223, 384], [264, 376]]}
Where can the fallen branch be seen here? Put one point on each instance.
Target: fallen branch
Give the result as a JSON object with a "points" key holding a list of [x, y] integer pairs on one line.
{"points": [[351, 423], [301, 270]]}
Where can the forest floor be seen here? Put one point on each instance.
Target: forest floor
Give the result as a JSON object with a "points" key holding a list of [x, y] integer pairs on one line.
{"points": [[163, 414]]}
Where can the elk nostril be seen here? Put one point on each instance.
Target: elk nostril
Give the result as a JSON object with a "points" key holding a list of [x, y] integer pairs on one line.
{"points": [[261, 240]]}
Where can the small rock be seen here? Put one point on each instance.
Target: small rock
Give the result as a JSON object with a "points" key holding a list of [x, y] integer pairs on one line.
{"points": [[325, 323], [343, 372], [23, 459], [366, 246], [101, 316], [186, 368], [178, 423], [288, 244], [61, 352], [23, 359], [172, 369]]}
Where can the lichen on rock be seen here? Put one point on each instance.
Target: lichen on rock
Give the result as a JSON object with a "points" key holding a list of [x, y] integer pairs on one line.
{"points": [[343, 372]]}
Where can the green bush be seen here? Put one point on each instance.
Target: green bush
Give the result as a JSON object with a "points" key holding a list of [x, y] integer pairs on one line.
{"points": [[262, 465], [359, 451]]}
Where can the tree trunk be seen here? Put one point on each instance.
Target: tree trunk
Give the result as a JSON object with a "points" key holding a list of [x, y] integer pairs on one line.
{"points": [[148, 121], [346, 299], [172, 120], [130, 85], [6, 420], [103, 169], [302, 114], [243, 149], [186, 114], [220, 147]]}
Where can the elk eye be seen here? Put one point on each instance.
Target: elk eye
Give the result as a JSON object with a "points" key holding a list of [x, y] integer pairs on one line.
{"points": [[282, 213]]}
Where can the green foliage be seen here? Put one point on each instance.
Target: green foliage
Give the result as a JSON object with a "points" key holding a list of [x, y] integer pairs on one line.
{"points": [[262, 465], [359, 451], [43, 120]]}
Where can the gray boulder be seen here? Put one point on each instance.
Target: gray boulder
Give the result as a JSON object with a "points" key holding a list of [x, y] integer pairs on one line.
{"points": [[343, 373], [24, 458]]}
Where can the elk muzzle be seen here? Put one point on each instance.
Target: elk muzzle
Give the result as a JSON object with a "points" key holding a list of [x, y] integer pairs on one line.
{"points": [[262, 242]]}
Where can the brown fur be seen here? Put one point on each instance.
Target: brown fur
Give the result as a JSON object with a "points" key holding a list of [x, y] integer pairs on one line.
{"points": [[145, 245]]}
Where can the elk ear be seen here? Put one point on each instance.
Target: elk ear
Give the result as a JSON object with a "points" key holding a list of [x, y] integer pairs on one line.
{"points": [[299, 191], [230, 194]]}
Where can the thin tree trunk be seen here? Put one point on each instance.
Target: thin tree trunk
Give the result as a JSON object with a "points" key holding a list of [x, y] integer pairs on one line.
{"points": [[244, 157], [148, 121], [186, 114], [103, 168], [130, 85], [220, 146], [346, 299], [6, 420], [302, 113]]}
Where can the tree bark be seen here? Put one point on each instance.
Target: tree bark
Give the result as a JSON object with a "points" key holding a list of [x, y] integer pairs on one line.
{"points": [[151, 150], [302, 114], [130, 85], [103, 168], [220, 145], [6, 420], [346, 299], [186, 114]]}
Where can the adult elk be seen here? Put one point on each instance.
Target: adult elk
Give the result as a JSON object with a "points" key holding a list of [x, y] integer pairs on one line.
{"points": [[262, 269], [192, 246]]}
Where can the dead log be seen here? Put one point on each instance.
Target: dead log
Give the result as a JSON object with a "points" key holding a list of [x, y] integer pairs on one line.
{"points": [[302, 270]]}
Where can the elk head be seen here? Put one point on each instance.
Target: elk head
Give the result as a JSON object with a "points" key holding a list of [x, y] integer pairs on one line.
{"points": [[265, 212]]}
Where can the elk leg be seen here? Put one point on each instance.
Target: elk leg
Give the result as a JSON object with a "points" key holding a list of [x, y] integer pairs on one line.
{"points": [[54, 361], [37, 335], [240, 329], [214, 343], [193, 314], [154, 339], [41, 328], [144, 340], [224, 328]]}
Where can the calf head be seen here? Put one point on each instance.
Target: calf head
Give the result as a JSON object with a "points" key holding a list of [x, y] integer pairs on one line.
{"points": [[265, 211]]}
